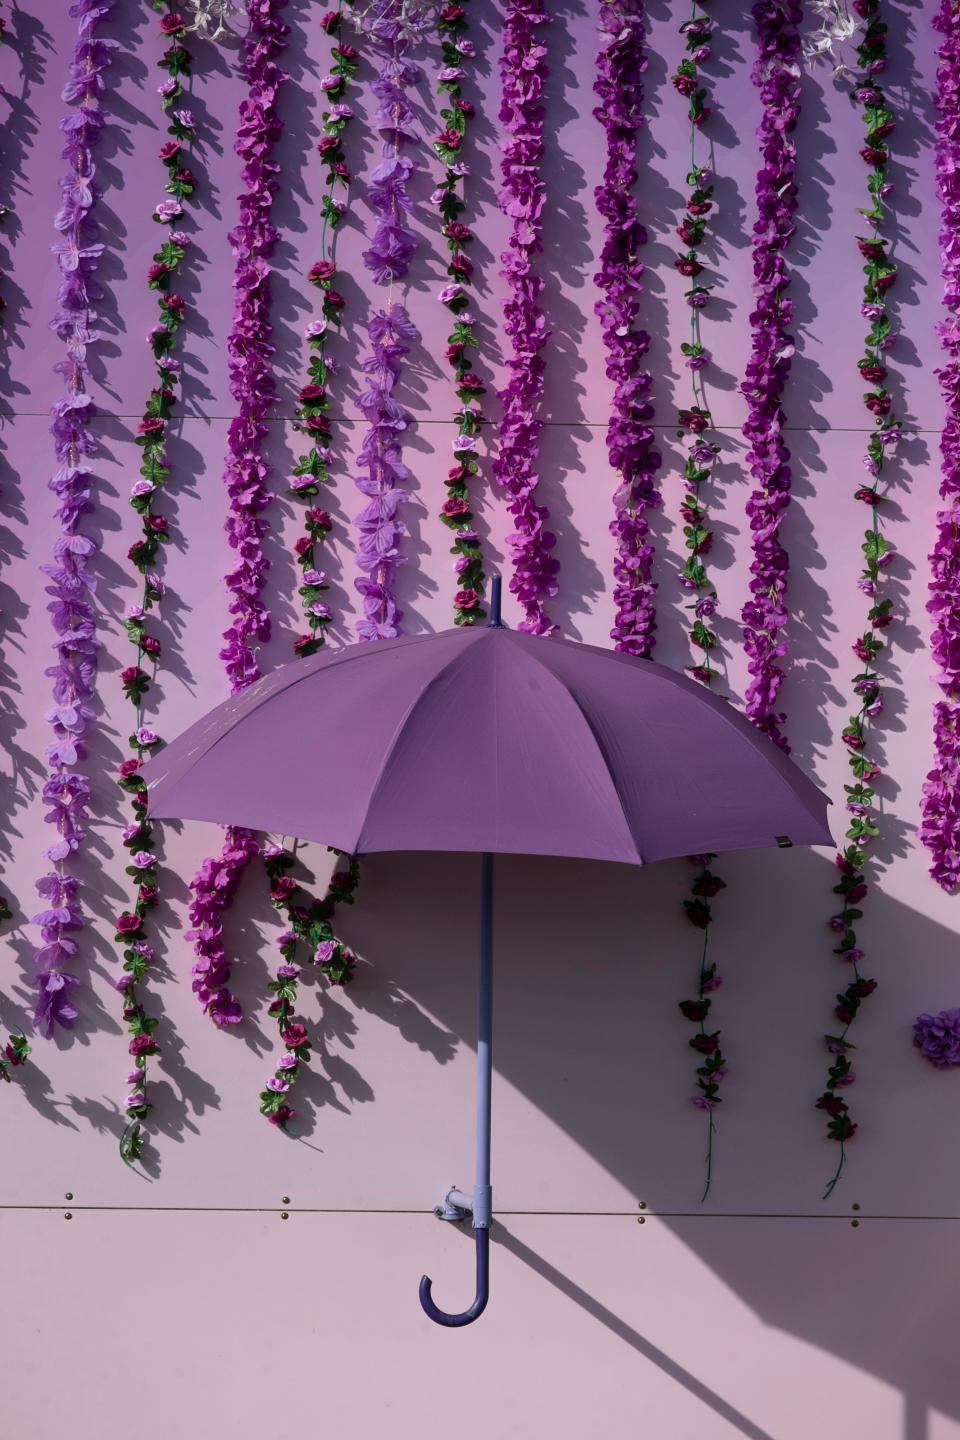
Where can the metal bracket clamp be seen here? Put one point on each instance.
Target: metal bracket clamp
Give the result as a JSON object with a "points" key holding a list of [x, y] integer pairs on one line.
{"points": [[456, 1206]]}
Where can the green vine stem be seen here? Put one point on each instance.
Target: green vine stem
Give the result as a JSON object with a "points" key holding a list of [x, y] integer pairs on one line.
{"points": [[456, 512], [309, 924], [880, 274], [695, 423], [138, 838], [312, 470]]}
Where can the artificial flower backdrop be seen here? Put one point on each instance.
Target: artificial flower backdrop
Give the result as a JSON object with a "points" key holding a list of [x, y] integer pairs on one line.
{"points": [[333, 313]]}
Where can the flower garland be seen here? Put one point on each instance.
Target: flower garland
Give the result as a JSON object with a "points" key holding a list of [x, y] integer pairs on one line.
{"points": [[522, 75], [15, 1053], [777, 73], [455, 47], [393, 28], [937, 1037], [695, 420], [880, 273], [706, 1043], [138, 953], [252, 387], [249, 344], [621, 63], [5, 912], [312, 469], [67, 789], [940, 826], [308, 922]]}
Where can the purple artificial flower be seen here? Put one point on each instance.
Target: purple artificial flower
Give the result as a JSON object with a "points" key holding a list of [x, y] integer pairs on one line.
{"points": [[937, 1037]]}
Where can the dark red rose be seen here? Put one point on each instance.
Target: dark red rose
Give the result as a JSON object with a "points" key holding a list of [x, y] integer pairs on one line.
{"points": [[330, 21], [148, 894], [456, 231], [128, 768], [174, 303], [156, 272], [329, 142], [311, 393], [132, 673], [466, 599], [452, 139], [346, 52], [320, 518], [283, 886], [323, 270], [341, 170], [454, 352], [452, 13], [304, 545], [151, 426], [173, 24], [295, 1037], [169, 149], [336, 300], [458, 472], [157, 523], [128, 923], [281, 1115], [464, 106], [455, 506], [150, 645], [685, 84], [142, 1045]]}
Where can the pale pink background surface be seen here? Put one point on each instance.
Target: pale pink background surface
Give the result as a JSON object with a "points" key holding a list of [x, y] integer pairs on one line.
{"points": [[178, 1299]]}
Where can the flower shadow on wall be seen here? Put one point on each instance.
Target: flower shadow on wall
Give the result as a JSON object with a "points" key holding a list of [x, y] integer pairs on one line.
{"points": [[600, 1061]]}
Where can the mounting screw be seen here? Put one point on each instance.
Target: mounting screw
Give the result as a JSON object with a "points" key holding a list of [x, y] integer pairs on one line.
{"points": [[69, 1195], [641, 1204], [854, 1223], [854, 1207], [641, 1219], [67, 1215], [284, 1199], [284, 1215]]}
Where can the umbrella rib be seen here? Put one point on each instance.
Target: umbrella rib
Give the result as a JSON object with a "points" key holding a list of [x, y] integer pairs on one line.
{"points": [[457, 657], [600, 746]]}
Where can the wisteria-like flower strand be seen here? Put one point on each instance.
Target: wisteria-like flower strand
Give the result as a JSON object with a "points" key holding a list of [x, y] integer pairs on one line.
{"points": [[776, 72], [71, 581], [522, 74], [631, 447]]}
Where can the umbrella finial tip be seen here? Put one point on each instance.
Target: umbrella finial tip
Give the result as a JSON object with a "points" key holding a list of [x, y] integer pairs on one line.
{"points": [[496, 591]]}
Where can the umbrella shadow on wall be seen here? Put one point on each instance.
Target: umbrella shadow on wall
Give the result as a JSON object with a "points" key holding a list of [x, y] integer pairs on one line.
{"points": [[591, 961]]}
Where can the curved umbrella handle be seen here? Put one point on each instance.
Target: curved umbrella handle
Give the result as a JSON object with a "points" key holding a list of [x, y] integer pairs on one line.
{"points": [[466, 1317]]}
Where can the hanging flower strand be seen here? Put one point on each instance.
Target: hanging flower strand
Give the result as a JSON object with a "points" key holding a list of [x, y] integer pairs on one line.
{"points": [[522, 75], [880, 274], [621, 63], [5, 912], [313, 403], [71, 581], [308, 922], [776, 72], [696, 422], [138, 836], [940, 826], [455, 47], [706, 1042], [252, 387], [393, 28]]}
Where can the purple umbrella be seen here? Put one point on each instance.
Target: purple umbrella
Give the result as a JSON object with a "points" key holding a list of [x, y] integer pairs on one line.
{"points": [[487, 740]]}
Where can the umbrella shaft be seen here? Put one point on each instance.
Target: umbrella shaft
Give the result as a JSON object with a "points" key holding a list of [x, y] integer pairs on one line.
{"points": [[482, 1195]]}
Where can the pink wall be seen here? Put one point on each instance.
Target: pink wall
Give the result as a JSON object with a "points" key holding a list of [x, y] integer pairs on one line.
{"points": [[178, 1298]]}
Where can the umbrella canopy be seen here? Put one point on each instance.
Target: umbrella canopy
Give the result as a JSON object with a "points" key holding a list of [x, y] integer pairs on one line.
{"points": [[486, 739]]}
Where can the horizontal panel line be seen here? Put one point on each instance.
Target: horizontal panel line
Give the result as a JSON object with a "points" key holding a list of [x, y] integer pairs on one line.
{"points": [[555, 424], [292, 1209]]}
